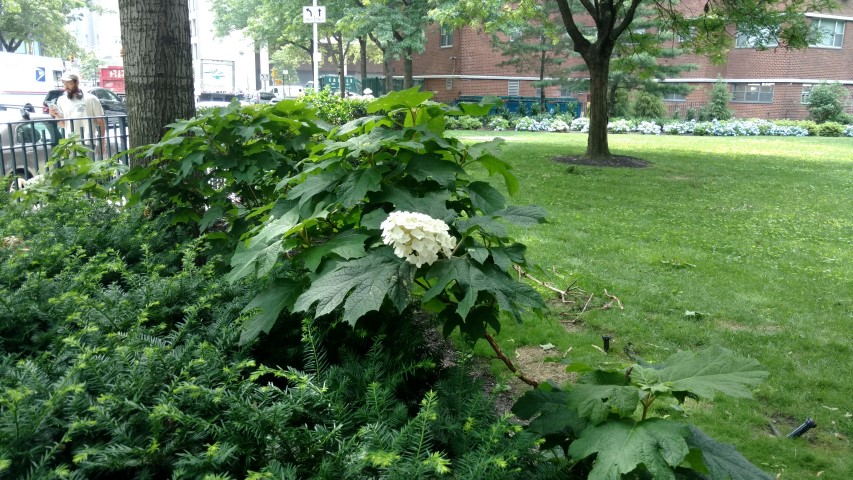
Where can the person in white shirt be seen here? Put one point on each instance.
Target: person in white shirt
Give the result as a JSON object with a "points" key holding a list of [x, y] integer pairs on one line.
{"points": [[77, 105]]}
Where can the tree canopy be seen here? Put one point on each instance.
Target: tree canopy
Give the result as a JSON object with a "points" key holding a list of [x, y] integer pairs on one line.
{"points": [[40, 21]]}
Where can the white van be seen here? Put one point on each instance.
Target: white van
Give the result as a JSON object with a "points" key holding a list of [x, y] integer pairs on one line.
{"points": [[286, 91]]}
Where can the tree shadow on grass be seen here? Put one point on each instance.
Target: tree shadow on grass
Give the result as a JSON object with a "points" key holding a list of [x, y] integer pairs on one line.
{"points": [[618, 161]]}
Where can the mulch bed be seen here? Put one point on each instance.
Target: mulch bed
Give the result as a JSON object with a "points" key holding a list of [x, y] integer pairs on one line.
{"points": [[618, 161]]}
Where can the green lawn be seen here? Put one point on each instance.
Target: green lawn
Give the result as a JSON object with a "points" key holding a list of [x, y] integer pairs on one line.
{"points": [[754, 234]]}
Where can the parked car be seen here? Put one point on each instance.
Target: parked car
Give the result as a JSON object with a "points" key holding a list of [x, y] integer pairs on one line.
{"points": [[211, 100], [27, 140], [114, 106], [264, 97]]}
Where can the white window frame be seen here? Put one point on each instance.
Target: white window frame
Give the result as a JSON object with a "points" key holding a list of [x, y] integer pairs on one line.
{"points": [[674, 97], [804, 94], [834, 37], [445, 37], [749, 90], [448, 83]]}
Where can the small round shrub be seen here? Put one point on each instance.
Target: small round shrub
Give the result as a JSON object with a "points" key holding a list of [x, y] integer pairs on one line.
{"points": [[649, 105], [830, 129], [826, 102]]}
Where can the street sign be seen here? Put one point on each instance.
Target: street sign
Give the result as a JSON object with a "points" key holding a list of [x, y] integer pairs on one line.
{"points": [[265, 76], [314, 14]]}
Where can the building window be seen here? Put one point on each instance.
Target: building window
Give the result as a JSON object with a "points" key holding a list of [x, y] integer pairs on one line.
{"points": [[804, 95], [752, 92], [565, 91], [446, 37], [512, 88], [448, 84], [831, 33], [764, 39], [674, 97]]}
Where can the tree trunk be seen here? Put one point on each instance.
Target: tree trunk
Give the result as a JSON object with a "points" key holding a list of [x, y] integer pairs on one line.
{"points": [[599, 69], [388, 71], [542, 76], [612, 99], [157, 65], [362, 44], [408, 81], [343, 61]]}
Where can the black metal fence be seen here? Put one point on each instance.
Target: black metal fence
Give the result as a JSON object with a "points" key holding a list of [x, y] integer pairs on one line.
{"points": [[683, 110], [516, 104], [26, 146]]}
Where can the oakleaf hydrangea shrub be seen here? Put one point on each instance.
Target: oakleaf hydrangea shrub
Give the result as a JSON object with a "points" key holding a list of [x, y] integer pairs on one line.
{"points": [[391, 178]]}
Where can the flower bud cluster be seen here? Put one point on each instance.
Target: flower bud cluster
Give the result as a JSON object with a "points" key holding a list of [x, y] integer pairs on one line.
{"points": [[417, 237]]}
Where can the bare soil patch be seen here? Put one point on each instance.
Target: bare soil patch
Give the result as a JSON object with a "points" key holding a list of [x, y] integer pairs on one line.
{"points": [[616, 161]]}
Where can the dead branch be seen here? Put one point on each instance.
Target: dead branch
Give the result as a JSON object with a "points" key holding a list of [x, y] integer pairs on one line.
{"points": [[507, 361], [612, 299], [561, 293]]}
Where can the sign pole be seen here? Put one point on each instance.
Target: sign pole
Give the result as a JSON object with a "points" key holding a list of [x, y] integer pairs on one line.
{"points": [[315, 56]]}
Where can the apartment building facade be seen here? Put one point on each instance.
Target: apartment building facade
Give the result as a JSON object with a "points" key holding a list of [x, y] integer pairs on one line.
{"points": [[771, 83]]}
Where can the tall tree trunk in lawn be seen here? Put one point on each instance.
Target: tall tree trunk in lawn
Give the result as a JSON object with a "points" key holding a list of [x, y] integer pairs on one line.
{"points": [[597, 146], [408, 68], [158, 66]]}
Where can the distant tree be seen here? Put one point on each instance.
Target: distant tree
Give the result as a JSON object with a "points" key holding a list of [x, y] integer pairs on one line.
{"points": [[826, 102], [41, 21], [718, 103], [157, 66], [535, 45]]}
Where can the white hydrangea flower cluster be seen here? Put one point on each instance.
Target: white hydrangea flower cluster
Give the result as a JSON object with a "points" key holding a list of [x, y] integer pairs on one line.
{"points": [[417, 237]]}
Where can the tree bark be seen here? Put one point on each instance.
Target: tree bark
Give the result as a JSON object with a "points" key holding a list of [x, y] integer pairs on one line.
{"points": [[408, 81], [362, 44], [341, 76], [597, 146], [158, 66], [542, 75]]}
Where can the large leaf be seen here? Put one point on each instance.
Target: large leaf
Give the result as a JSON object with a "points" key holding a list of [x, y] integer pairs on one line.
{"points": [[348, 245], [433, 204], [722, 460], [524, 216], [512, 296], [620, 447], [361, 285], [259, 253], [400, 99], [485, 197], [704, 374], [597, 402], [270, 303], [548, 412], [422, 167], [357, 183]]}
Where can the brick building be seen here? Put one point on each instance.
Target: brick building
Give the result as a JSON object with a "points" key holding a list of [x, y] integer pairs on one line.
{"points": [[772, 83]]}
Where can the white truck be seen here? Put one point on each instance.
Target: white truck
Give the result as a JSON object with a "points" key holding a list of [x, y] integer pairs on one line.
{"points": [[28, 78], [217, 76]]}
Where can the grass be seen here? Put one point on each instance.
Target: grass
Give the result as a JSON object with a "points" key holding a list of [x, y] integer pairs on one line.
{"points": [[755, 234]]}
